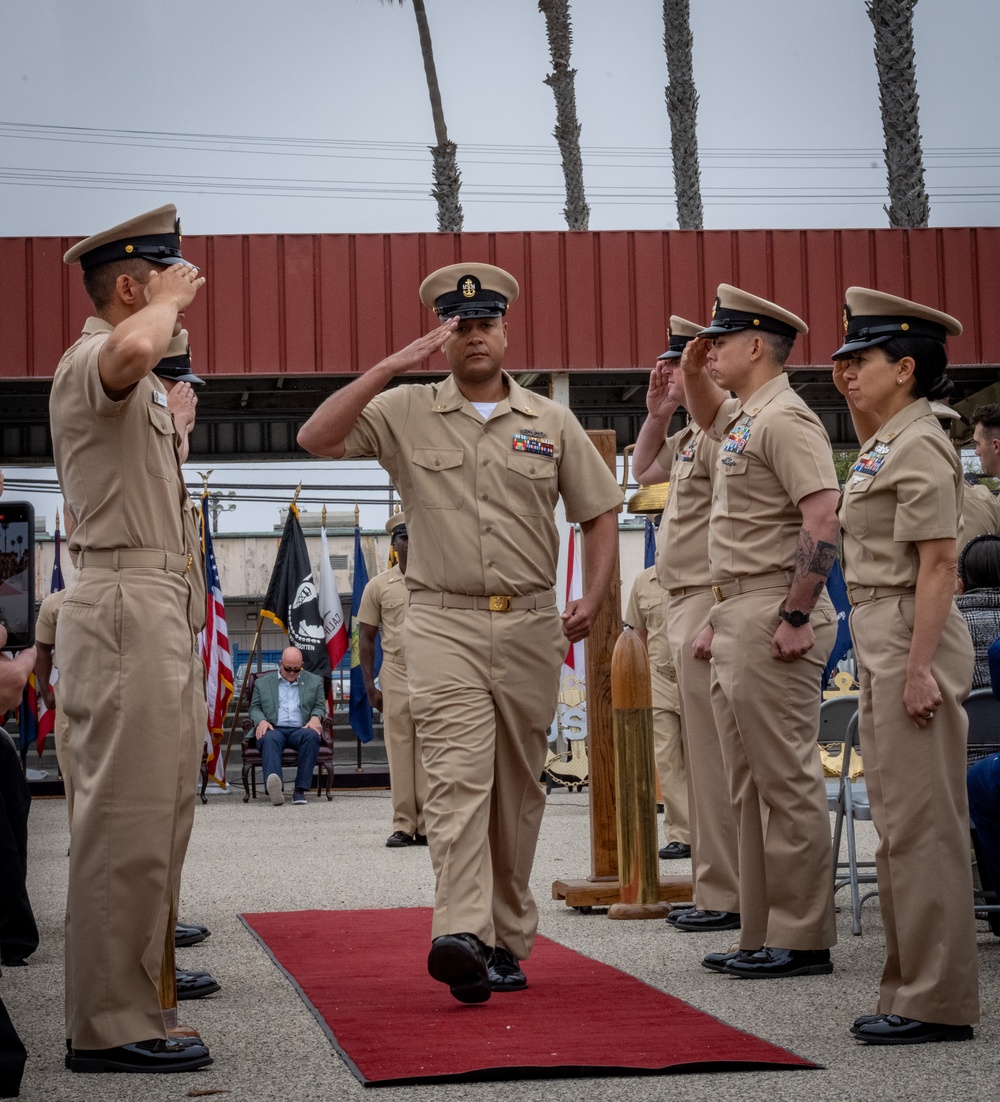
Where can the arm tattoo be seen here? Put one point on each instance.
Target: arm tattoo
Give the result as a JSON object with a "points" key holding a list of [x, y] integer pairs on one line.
{"points": [[814, 557]]}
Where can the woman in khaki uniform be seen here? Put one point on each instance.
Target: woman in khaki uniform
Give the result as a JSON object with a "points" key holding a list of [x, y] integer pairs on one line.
{"points": [[900, 512]]}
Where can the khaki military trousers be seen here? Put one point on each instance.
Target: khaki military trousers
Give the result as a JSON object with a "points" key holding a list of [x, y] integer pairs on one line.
{"points": [[714, 849], [668, 751], [126, 684], [406, 770], [64, 755], [767, 714], [919, 801], [483, 689]]}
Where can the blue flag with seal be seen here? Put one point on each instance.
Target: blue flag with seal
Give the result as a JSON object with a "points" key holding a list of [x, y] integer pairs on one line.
{"points": [[649, 545], [837, 588], [360, 711]]}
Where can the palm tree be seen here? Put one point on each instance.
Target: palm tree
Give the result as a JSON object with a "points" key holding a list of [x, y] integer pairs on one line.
{"points": [[562, 81], [909, 205], [682, 110], [447, 177]]}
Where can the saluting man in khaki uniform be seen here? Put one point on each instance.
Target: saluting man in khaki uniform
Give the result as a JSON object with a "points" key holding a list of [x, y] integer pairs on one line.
{"points": [[900, 511], [646, 612], [772, 540], [688, 459], [383, 606], [126, 637], [480, 463]]}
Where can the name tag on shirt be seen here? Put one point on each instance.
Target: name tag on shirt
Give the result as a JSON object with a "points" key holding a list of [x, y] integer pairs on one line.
{"points": [[159, 398]]}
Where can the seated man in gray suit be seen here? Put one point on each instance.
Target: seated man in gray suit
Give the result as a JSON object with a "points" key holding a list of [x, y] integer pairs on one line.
{"points": [[287, 711]]}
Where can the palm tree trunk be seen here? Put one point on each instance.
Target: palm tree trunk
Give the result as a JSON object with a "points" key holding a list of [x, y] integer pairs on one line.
{"points": [[567, 132], [447, 177], [682, 110], [909, 205]]}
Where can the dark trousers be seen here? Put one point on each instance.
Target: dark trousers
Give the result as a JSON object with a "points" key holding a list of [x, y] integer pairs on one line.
{"points": [[983, 780], [18, 932], [13, 1055], [303, 740]]}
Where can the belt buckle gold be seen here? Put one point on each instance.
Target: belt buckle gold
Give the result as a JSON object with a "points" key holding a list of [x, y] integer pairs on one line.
{"points": [[719, 595], [500, 604]]}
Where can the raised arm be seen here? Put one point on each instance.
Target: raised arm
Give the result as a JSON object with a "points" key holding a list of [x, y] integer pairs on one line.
{"points": [[703, 395], [140, 341], [865, 424], [326, 430], [664, 395]]}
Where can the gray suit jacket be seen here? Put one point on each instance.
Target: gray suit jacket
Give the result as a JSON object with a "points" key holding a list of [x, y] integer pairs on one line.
{"points": [[264, 704]]}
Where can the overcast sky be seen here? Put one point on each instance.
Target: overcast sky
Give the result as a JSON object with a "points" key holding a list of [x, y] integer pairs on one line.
{"points": [[312, 116]]}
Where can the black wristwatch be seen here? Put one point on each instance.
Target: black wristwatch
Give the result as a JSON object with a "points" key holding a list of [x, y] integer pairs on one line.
{"points": [[797, 618]]}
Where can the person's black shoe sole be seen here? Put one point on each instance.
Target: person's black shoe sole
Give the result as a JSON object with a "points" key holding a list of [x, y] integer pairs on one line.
{"points": [[452, 960]]}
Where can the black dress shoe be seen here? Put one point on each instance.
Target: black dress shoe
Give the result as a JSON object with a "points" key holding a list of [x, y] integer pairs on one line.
{"points": [[195, 985], [678, 910], [398, 839], [891, 1029], [505, 972], [674, 850], [14, 962], [695, 921], [459, 960], [189, 933], [717, 962], [775, 963], [156, 1055], [866, 1019], [420, 839]]}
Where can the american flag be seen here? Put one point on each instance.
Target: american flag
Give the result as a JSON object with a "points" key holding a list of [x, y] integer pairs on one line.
{"points": [[213, 645], [37, 720]]}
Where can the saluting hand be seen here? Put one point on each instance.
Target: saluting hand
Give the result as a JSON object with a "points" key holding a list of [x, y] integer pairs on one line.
{"points": [[665, 392], [182, 402], [414, 354], [176, 283], [694, 358]]}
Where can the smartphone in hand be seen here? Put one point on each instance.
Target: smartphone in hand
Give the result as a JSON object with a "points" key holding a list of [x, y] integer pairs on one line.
{"points": [[17, 573]]}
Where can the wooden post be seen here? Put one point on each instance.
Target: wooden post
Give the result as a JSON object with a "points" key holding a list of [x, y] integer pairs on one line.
{"points": [[635, 782], [601, 888]]}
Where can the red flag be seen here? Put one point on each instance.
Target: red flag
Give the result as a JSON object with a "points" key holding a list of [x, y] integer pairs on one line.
{"points": [[334, 625], [213, 645]]}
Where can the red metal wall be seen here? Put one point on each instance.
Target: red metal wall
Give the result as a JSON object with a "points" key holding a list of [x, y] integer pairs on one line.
{"points": [[337, 303]]}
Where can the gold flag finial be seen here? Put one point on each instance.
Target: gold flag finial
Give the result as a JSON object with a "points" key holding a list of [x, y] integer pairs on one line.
{"points": [[324, 516], [57, 520], [357, 516], [295, 496], [204, 476]]}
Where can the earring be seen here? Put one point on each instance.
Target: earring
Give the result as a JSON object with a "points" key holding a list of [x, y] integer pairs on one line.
{"points": [[899, 381]]}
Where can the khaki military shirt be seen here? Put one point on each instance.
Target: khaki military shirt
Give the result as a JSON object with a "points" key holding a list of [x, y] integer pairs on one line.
{"points": [[906, 486], [479, 496], [117, 461], [774, 452], [682, 539], [48, 615], [383, 605], [118, 464], [980, 514], [647, 609]]}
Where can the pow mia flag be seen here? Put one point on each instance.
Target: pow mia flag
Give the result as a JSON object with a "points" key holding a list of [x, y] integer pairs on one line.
{"points": [[292, 600]]}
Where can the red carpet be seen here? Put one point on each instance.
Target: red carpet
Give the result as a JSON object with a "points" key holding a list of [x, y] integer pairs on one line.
{"points": [[364, 975]]}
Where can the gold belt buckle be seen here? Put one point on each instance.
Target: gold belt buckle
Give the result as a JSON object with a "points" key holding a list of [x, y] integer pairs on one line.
{"points": [[500, 604], [719, 595]]}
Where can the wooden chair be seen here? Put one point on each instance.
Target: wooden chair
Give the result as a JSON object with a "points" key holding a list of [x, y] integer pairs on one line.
{"points": [[253, 760]]}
